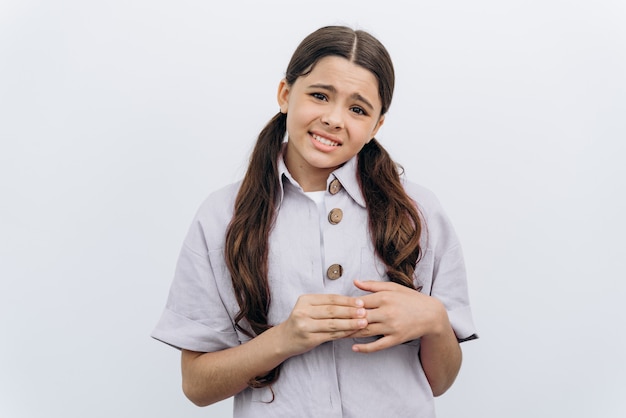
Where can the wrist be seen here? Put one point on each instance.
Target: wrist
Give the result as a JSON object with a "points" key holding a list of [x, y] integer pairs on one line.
{"points": [[275, 343], [440, 323]]}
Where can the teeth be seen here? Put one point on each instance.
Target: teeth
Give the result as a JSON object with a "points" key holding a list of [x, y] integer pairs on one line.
{"points": [[325, 141]]}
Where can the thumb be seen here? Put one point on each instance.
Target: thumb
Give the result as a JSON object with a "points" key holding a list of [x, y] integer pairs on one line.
{"points": [[374, 285], [368, 285]]}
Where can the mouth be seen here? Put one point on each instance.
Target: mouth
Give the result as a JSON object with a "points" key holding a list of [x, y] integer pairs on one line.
{"points": [[325, 141]]}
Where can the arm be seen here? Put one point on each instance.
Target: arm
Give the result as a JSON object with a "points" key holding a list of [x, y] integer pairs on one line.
{"points": [[212, 377], [401, 314], [440, 354]]}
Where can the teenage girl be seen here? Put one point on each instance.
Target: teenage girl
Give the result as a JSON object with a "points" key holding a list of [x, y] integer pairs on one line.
{"points": [[323, 284]]}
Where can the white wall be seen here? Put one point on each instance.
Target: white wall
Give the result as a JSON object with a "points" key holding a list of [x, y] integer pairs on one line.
{"points": [[118, 117]]}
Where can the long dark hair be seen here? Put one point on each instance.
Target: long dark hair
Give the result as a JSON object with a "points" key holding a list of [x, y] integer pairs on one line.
{"points": [[394, 220]]}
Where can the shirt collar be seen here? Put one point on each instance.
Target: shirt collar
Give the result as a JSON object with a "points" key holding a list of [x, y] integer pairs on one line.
{"points": [[346, 174]]}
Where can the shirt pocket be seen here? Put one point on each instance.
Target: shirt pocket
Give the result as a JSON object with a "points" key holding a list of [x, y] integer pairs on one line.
{"points": [[371, 267]]}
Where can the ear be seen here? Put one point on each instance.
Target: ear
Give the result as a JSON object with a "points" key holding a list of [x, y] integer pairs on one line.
{"points": [[380, 122], [283, 95]]}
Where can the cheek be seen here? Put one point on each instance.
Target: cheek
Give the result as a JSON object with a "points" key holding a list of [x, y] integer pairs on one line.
{"points": [[300, 114], [296, 122], [372, 132], [366, 134]]}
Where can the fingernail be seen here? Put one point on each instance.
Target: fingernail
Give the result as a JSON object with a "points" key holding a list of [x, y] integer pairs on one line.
{"points": [[359, 302], [360, 312], [362, 323]]}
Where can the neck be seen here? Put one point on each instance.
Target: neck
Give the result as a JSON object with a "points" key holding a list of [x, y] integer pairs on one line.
{"points": [[311, 179], [311, 183]]}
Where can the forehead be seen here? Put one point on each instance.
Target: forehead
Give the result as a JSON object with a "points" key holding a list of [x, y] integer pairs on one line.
{"points": [[344, 76]]}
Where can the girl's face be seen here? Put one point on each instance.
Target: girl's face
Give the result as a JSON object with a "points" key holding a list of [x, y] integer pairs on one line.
{"points": [[331, 114]]}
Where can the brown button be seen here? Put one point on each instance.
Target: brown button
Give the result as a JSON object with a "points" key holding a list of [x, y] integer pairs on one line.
{"points": [[334, 187], [335, 216], [334, 272]]}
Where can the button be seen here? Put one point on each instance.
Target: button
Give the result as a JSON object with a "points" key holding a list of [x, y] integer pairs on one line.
{"points": [[334, 187], [335, 216], [334, 272]]}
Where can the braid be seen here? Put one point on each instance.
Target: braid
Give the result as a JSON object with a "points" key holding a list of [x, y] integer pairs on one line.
{"points": [[246, 248], [394, 220]]}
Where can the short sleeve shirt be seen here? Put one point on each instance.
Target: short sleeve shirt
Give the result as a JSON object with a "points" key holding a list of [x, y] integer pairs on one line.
{"points": [[331, 380]]}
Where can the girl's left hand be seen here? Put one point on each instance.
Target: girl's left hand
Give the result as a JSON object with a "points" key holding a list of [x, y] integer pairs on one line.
{"points": [[398, 314]]}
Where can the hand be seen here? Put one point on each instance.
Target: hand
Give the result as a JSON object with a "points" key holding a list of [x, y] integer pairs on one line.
{"points": [[399, 314], [316, 319]]}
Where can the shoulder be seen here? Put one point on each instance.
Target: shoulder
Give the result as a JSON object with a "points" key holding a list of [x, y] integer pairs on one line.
{"points": [[208, 227], [219, 203], [426, 200], [438, 226]]}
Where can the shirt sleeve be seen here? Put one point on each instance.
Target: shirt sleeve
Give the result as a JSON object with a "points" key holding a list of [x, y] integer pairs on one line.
{"points": [[445, 264], [195, 316], [450, 287]]}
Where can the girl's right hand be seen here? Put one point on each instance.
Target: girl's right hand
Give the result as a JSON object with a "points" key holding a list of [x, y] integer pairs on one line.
{"points": [[318, 318], [315, 319]]}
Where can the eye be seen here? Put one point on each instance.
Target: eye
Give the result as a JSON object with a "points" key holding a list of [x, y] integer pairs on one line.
{"points": [[358, 110], [319, 96]]}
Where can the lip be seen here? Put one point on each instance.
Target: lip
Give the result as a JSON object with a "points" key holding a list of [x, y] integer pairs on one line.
{"points": [[337, 142]]}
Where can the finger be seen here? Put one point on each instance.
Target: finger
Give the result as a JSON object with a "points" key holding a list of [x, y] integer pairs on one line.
{"points": [[372, 301], [371, 330], [378, 345], [334, 335], [335, 311], [332, 299], [338, 326], [376, 286]]}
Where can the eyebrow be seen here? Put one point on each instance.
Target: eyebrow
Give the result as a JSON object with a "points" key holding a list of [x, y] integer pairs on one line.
{"points": [[332, 89]]}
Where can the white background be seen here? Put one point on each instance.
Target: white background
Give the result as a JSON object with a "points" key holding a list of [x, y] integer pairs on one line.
{"points": [[117, 118]]}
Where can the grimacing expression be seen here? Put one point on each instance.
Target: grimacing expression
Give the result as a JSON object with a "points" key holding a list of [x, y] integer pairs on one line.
{"points": [[332, 112]]}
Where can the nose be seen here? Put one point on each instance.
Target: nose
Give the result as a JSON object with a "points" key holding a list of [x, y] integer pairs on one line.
{"points": [[333, 118]]}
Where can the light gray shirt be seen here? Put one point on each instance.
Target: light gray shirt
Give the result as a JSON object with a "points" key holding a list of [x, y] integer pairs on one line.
{"points": [[331, 380]]}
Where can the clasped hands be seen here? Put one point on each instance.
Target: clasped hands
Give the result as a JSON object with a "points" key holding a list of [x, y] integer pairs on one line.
{"points": [[394, 312]]}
